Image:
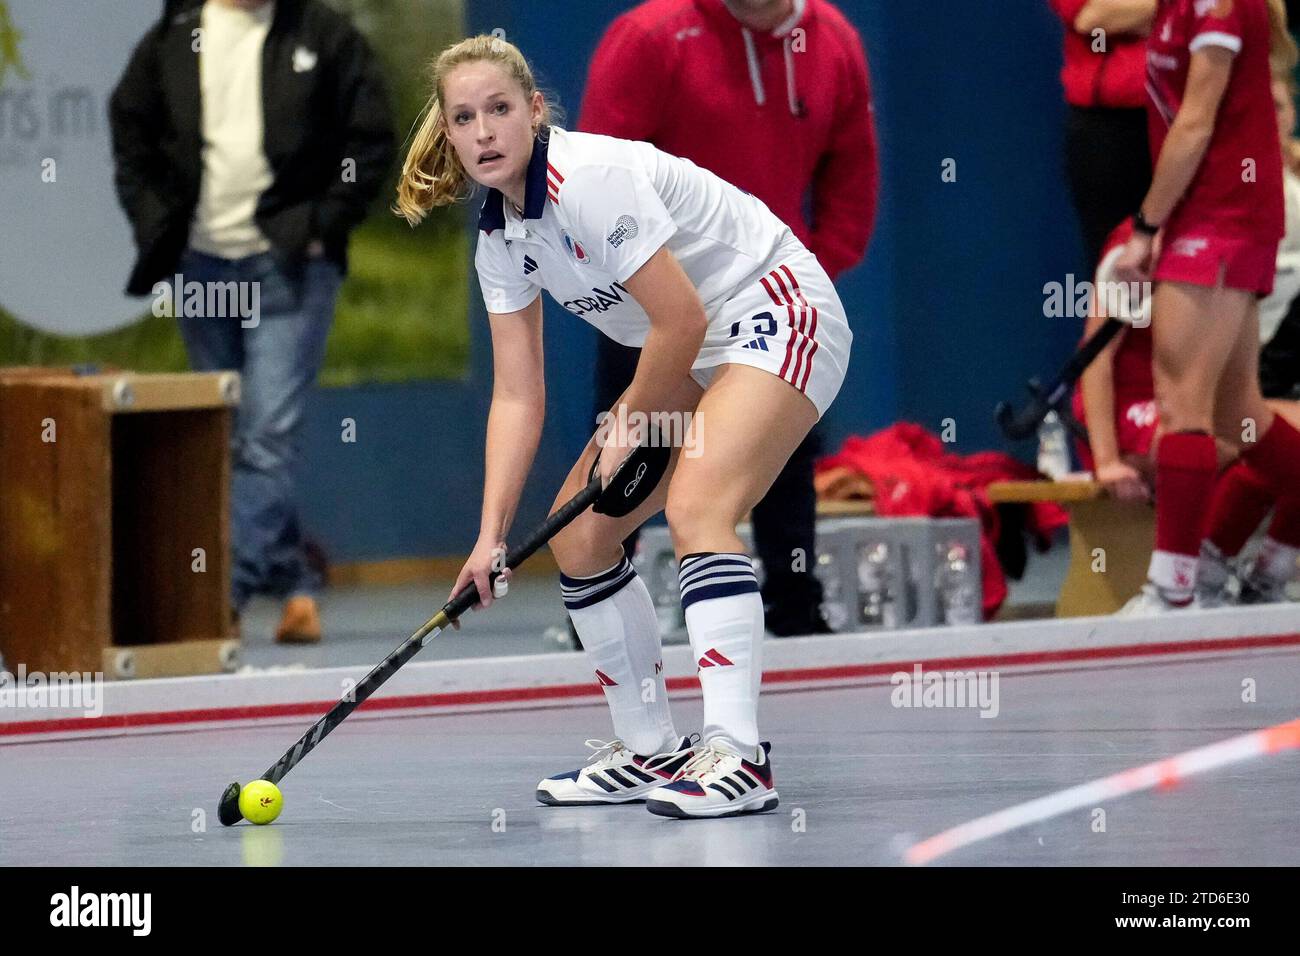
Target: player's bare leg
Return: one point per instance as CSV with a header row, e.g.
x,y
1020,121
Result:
x,y
615,618
751,423
1196,330
1243,417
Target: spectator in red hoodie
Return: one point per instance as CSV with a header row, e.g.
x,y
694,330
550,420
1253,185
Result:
x,y
1107,159
773,96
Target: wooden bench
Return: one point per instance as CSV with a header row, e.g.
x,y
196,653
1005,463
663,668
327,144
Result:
x,y
1110,542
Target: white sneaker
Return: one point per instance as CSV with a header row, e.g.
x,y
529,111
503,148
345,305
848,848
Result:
x,y
1261,589
1150,601
718,782
1213,572
613,774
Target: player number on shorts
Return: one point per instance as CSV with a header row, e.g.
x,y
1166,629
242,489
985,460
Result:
x,y
761,327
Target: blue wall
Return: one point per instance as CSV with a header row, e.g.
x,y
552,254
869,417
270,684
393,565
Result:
x,y
947,310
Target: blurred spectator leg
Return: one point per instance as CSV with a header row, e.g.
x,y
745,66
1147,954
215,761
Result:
x,y
785,528
1108,164
283,354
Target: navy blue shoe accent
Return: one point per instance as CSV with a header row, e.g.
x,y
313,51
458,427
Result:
x,y
761,772
686,786
706,576
571,775
584,592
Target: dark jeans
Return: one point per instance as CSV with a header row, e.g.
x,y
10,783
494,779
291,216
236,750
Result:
x,y
278,352
1108,164
785,520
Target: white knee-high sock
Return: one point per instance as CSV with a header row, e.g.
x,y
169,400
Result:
x,y
724,616
615,617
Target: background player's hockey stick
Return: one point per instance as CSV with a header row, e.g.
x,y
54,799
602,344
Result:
x,y
1020,425
630,484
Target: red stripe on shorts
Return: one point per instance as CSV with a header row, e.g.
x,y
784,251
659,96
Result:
x,y
803,342
812,330
789,344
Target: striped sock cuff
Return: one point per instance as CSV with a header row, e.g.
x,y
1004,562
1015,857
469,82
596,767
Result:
x,y
584,592
714,575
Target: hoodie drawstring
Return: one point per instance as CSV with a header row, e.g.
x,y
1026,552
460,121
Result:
x,y
756,75
789,78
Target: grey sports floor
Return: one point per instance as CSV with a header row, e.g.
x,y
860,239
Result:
x,y
859,781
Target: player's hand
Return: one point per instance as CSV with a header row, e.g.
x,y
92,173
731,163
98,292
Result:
x,y
1123,482
1135,261
488,555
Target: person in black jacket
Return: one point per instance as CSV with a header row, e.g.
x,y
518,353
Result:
x,y
249,138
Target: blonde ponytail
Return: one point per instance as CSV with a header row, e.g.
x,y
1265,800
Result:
x,y
1282,53
432,174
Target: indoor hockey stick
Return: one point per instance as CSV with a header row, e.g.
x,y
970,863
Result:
x,y
1020,425
630,485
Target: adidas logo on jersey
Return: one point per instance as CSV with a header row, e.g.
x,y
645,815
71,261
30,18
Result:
x,y
757,344
530,265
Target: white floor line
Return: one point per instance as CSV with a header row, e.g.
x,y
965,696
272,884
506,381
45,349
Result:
x,y
1164,772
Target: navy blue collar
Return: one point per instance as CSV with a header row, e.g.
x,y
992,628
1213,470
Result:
x,y
493,214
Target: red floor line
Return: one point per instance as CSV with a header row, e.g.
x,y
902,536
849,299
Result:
x,y
92,725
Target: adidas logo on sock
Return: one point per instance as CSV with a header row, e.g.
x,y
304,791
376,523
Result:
x,y
713,658
606,680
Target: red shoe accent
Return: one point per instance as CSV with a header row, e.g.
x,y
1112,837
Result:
x,y
605,679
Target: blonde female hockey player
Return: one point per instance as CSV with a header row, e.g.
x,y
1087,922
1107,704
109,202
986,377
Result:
x,y
742,332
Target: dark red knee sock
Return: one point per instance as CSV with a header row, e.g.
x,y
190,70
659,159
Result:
x,y
1285,526
1185,467
1240,501
1276,457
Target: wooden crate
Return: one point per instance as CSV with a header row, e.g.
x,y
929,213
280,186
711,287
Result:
x,y
110,485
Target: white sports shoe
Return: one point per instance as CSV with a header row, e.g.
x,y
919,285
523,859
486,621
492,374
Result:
x,y
1213,572
1150,601
1261,589
613,774
718,782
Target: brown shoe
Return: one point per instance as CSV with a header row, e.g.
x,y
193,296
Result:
x,y
300,623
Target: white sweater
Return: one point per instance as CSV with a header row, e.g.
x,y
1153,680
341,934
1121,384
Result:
x,y
235,170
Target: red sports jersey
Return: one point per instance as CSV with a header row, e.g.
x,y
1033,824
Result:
x,y
1237,191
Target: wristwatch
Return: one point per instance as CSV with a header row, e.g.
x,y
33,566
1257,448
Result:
x,y
1141,225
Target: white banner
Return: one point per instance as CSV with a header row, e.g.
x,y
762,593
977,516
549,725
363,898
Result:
x,y
65,245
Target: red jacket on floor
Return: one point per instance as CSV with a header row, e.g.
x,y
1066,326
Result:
x,y
776,114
